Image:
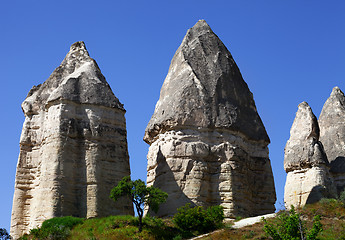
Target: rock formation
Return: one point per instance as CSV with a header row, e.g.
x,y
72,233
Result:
x,y
73,146
208,145
332,135
308,178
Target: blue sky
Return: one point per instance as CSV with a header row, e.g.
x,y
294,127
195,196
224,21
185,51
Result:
x,y
287,51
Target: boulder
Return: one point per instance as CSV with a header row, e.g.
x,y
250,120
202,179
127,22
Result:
x,y
208,145
73,147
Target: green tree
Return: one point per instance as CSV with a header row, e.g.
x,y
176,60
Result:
x,y
342,196
4,234
140,195
191,219
289,226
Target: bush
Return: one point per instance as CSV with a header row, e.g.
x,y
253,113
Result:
x,y
197,219
290,226
56,228
342,196
4,234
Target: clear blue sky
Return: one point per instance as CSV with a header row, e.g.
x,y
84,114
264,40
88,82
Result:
x,y
288,52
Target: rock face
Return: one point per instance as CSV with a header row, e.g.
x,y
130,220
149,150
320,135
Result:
x,y
73,147
308,178
332,135
208,143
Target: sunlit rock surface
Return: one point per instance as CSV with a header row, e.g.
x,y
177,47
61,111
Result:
x,y
308,178
208,145
332,135
73,147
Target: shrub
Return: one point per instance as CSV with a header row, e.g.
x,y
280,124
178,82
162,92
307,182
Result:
x,y
342,196
197,219
56,228
4,234
290,226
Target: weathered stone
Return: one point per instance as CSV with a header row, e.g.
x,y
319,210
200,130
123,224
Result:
x,y
73,147
332,135
308,178
208,143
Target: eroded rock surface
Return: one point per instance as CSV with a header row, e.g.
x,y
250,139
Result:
x,y
73,147
308,178
208,143
332,135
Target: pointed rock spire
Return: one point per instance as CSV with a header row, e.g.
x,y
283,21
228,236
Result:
x,y
208,143
78,79
303,149
73,147
308,178
204,88
332,134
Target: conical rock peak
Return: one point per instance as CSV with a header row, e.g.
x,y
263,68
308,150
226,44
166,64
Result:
x,y
332,130
303,149
77,79
205,89
308,178
73,147
208,145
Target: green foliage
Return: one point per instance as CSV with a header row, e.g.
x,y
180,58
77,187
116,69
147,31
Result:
x,y
139,194
4,235
56,228
111,227
197,219
289,226
342,196
124,227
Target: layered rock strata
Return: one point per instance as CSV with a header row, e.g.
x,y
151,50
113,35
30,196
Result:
x,y
73,147
208,145
308,178
332,135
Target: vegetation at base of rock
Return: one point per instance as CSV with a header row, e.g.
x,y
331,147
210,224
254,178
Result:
x,y
197,219
342,196
124,227
332,212
4,235
290,226
55,228
140,195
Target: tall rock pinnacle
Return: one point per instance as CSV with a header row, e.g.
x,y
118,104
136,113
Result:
x,y
208,143
204,88
73,146
308,178
332,135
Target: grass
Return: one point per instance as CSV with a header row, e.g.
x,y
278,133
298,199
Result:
x,y
332,214
124,227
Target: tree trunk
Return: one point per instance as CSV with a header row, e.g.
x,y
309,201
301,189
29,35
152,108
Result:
x,y
140,223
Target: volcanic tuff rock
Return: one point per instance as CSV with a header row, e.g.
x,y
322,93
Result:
x,y
308,178
73,146
208,143
332,135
